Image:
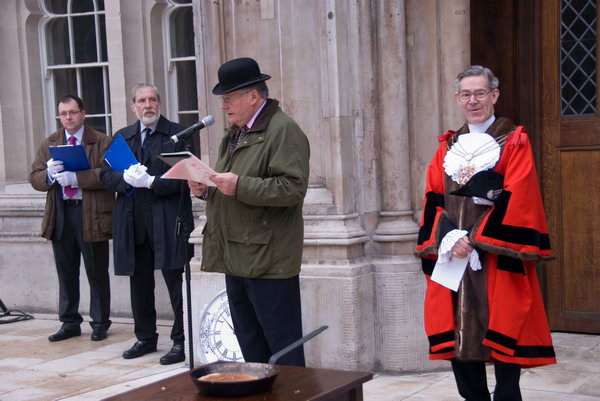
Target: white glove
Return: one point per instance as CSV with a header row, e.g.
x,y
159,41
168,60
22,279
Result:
x,y
54,167
66,179
137,177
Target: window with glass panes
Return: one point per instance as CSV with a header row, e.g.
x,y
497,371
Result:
x,y
578,40
76,60
181,62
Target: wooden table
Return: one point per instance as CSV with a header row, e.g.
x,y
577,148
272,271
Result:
x,y
292,384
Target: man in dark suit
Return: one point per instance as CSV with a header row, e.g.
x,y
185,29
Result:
x,y
77,220
145,221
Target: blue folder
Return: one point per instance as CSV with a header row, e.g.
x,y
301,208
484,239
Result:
x,y
119,155
73,157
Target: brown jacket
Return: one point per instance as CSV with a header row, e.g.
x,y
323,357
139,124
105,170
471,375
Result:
x,y
97,201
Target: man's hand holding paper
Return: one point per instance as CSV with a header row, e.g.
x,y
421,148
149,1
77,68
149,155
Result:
x,y
197,188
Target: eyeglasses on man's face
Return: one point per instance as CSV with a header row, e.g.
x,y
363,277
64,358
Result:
x,y
229,99
70,113
465,96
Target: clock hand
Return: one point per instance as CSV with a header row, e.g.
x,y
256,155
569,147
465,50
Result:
x,y
229,324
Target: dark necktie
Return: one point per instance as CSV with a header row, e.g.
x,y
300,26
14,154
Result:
x,y
235,139
146,145
69,190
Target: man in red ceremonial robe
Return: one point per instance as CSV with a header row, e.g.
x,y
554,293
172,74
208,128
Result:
x,y
483,215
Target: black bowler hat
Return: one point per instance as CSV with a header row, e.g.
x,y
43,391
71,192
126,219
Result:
x,y
238,73
485,184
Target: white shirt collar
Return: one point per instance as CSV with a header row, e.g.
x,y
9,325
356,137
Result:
x,y
78,134
152,127
251,122
483,126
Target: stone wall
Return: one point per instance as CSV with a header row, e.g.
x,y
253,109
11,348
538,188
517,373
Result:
x,y
369,81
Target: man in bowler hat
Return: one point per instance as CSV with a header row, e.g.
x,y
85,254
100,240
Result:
x,y
254,229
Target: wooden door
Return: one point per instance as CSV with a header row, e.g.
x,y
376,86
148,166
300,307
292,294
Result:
x,y
571,162
521,41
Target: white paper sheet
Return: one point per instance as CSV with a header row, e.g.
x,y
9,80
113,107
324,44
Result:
x,y
450,273
193,169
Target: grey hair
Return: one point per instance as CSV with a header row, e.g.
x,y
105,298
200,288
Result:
x,y
476,71
261,88
141,85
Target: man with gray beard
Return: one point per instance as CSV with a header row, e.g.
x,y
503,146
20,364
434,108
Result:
x,y
145,220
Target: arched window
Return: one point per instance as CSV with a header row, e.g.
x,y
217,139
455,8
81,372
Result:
x,y
73,39
182,94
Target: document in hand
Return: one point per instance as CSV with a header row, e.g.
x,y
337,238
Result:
x,y
72,156
449,273
119,155
186,166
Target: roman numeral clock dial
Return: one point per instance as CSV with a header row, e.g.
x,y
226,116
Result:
x,y
217,337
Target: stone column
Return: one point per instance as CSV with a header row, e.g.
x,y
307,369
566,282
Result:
x,y
396,231
419,41
119,99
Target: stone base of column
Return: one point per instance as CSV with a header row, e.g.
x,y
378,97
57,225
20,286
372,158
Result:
x,y
396,234
341,297
400,341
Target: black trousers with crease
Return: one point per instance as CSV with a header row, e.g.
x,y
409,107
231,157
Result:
x,y
68,250
267,317
142,287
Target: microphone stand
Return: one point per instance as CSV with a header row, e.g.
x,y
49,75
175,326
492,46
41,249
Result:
x,y
182,234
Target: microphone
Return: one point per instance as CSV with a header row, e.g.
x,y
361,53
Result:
x,y
205,122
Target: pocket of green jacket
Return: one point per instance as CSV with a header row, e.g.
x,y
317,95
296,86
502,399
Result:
x,y
247,250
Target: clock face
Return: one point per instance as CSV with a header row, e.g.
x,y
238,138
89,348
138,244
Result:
x,y
217,338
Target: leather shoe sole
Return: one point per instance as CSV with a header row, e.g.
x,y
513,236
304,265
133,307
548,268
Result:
x,y
63,334
98,334
140,348
176,354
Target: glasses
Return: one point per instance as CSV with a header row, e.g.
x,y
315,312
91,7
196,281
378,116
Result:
x,y
72,113
465,96
230,99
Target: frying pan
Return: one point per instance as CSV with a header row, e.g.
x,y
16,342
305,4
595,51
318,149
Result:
x,y
266,373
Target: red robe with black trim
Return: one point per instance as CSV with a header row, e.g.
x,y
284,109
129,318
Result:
x,y
510,237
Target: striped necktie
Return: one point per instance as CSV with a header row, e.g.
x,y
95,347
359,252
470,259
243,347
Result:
x,y
235,139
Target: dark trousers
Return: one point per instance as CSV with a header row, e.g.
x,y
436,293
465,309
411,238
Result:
x,y
266,317
472,382
142,287
68,250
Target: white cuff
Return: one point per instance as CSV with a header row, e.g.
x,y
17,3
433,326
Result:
x,y
448,242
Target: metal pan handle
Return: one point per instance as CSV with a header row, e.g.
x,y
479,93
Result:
x,y
273,359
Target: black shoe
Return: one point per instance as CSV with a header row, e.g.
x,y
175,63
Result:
x,y
64,334
176,354
140,348
99,334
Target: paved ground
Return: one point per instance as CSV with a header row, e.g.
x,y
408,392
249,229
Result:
x,y
33,369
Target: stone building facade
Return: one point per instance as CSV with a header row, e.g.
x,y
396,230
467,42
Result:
x,y
369,81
